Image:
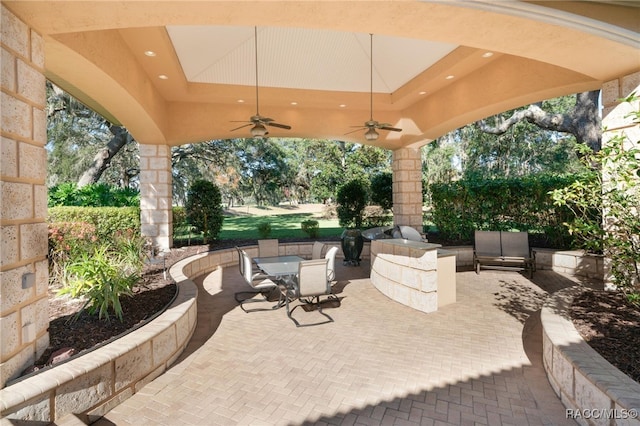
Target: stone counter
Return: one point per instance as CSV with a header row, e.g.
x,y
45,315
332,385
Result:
x,y
407,272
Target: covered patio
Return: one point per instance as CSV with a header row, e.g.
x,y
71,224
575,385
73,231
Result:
x,y
477,361
120,58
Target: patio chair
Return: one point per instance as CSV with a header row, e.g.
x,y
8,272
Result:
x,y
254,268
259,284
331,263
487,247
516,250
307,287
503,250
268,248
316,250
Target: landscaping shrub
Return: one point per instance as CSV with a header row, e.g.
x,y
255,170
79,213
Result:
x,y
102,277
179,217
352,198
204,208
618,195
131,248
93,195
374,216
96,253
264,229
311,228
523,204
382,190
67,242
106,220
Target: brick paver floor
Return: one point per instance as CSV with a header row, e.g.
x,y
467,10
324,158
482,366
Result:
x,y
380,363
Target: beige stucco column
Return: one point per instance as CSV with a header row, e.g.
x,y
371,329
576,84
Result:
x,y
407,187
24,306
614,121
156,216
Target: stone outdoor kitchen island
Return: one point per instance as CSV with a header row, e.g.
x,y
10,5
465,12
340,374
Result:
x,y
413,273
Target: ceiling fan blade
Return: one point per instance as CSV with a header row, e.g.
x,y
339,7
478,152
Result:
x,y
393,129
282,126
356,130
244,125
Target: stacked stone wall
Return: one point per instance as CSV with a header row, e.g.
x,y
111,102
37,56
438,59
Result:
x,y
156,217
407,188
24,310
616,121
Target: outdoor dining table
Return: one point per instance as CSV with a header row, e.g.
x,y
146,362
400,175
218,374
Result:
x,y
279,267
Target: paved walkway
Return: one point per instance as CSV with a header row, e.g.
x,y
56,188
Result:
x,y
477,361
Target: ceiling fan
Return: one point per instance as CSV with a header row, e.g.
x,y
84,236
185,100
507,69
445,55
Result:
x,y
257,121
372,125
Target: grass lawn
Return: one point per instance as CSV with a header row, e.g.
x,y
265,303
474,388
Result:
x,y
282,226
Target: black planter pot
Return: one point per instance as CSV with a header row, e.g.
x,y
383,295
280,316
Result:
x,y
352,243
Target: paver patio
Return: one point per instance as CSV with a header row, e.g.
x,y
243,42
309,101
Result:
x,y
380,363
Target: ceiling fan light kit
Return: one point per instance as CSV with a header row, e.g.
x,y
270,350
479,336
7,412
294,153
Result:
x,y
371,134
372,125
259,131
259,123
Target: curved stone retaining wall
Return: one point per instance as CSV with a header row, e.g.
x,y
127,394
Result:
x,y
93,383
594,391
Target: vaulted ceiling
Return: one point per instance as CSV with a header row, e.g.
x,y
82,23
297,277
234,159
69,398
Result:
x,y
175,72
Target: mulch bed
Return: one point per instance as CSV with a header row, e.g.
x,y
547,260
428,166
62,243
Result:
x,y
610,324
72,331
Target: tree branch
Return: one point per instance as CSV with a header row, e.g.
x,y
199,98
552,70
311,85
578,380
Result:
x,y
583,121
534,115
103,158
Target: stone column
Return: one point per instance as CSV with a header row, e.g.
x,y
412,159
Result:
x,y
156,217
614,121
24,303
407,188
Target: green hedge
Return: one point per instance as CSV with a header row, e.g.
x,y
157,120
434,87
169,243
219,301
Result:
x,y
179,217
107,220
93,195
522,204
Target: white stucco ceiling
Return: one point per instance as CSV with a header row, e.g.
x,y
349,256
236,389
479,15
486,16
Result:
x,y
301,58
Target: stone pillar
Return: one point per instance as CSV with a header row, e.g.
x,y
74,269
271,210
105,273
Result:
x,y
614,121
156,217
24,303
407,188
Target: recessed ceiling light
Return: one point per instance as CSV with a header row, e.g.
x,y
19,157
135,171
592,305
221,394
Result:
x,y
487,54
294,103
163,77
422,93
150,53
342,105
449,77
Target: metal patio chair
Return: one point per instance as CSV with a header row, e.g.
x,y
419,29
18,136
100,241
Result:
x,y
310,284
259,283
268,248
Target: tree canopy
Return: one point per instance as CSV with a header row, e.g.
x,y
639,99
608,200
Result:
x,y
536,139
541,138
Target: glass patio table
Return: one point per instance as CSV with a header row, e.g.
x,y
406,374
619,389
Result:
x,y
279,267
